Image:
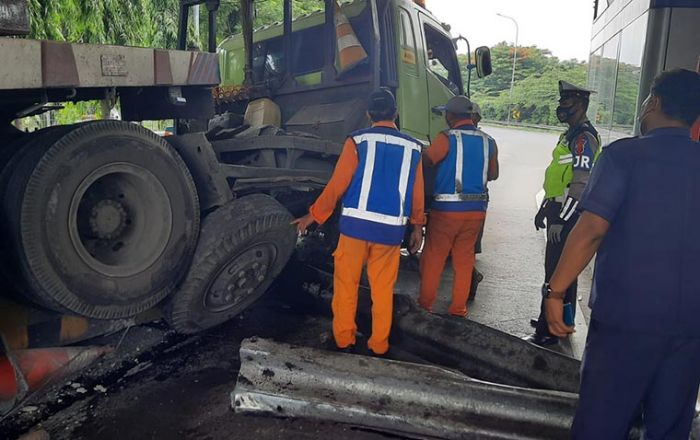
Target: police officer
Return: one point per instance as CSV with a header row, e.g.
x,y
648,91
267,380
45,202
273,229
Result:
x,y
379,178
640,213
564,182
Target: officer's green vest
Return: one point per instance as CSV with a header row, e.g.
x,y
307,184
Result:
x,y
560,171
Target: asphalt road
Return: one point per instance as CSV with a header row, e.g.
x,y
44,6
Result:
x,y
183,390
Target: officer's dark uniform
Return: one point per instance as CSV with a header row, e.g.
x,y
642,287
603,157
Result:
x,y
564,182
644,339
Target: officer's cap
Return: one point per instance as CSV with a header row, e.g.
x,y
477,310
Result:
x,y
382,101
568,90
459,105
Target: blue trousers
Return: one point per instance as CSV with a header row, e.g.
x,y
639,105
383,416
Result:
x,y
625,374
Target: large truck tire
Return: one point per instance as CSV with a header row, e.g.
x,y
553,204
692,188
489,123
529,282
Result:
x,y
11,154
243,246
103,221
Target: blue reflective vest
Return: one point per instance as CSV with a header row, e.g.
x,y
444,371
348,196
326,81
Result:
x,y
377,204
460,183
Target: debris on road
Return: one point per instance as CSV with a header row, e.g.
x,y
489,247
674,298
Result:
x,y
36,435
23,372
397,397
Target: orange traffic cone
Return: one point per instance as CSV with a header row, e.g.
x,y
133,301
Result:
x,y
350,50
24,327
25,371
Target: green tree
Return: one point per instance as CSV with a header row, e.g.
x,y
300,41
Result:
x,y
536,89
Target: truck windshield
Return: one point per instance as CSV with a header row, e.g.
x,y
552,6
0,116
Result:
x,y
442,59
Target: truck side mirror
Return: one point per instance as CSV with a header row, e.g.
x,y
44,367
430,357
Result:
x,y
483,61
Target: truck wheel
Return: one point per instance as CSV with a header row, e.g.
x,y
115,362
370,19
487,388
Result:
x,y
243,246
104,219
10,155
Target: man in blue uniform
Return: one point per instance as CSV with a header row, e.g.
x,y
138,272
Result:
x,y
640,213
564,181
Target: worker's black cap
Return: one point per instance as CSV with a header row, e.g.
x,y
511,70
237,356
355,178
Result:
x,y
460,105
382,101
568,90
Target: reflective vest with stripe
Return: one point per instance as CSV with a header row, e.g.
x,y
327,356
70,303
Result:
x,y
377,204
560,172
460,183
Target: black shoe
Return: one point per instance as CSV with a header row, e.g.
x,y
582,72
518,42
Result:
x,y
477,277
377,355
542,340
350,349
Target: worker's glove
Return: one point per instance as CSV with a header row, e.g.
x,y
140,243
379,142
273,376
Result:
x,y
554,232
568,208
540,216
548,210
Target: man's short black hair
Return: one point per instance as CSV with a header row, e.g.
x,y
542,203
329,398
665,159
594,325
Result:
x,y
382,105
384,115
679,92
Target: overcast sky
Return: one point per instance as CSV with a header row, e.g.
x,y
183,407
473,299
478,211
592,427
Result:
x,y
563,26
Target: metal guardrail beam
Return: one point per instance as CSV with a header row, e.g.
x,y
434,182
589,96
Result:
x,y
481,351
420,401
474,349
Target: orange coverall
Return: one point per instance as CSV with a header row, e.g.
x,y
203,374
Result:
x,y
352,254
450,232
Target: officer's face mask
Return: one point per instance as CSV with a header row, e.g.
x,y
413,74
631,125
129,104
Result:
x,y
566,110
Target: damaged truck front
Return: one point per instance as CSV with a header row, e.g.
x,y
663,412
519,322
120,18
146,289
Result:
x,y
105,219
291,91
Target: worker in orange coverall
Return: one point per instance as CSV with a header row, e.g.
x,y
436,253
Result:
x,y
380,180
466,159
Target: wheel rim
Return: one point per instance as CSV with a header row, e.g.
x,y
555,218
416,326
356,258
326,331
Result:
x,y
240,277
120,219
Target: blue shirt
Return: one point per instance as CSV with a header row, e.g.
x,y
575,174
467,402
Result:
x,y
647,275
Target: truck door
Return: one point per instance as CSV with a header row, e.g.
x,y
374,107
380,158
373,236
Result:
x,y
414,111
442,70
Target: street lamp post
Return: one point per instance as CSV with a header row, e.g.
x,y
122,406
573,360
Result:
x,y
515,57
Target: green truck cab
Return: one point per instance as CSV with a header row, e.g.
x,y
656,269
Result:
x,y
408,50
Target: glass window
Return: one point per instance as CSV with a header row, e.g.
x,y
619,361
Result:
x,y
408,42
268,60
442,59
629,72
305,60
604,77
594,67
